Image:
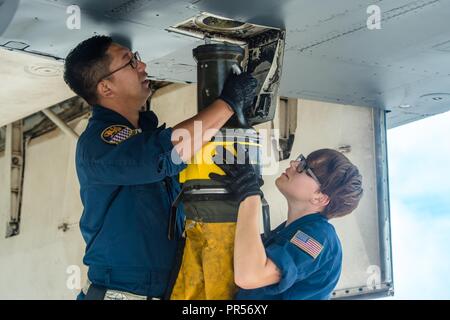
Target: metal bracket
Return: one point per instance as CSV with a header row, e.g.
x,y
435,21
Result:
x,y
61,124
14,164
287,122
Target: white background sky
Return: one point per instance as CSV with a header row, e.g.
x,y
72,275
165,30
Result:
x,y
419,181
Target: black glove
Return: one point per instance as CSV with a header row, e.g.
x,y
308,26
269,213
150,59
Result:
x,y
239,92
240,179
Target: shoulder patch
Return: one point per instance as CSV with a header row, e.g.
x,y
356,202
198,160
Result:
x,y
117,133
307,244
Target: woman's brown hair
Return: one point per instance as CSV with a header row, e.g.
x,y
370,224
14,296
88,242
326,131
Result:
x,y
340,180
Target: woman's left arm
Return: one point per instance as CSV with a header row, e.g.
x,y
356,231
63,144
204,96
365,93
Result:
x,y
252,268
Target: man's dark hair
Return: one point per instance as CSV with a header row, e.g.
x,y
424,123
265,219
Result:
x,y
85,65
340,180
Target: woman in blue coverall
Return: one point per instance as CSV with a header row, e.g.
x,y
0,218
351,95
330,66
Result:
x,y
301,258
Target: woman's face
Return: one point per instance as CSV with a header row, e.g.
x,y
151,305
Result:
x,y
296,186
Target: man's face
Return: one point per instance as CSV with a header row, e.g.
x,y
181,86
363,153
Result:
x,y
127,83
297,186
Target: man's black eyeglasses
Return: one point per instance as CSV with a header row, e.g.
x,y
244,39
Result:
x,y
303,166
134,61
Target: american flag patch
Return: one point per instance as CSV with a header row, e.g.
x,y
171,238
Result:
x,y
117,134
307,244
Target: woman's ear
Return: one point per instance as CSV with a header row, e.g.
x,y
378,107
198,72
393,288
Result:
x,y
321,199
324,199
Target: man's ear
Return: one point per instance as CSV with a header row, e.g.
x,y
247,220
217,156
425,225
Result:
x,y
104,89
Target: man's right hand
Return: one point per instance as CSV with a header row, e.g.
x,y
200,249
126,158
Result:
x,y
239,92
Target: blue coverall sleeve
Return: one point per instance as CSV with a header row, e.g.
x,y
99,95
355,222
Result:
x,y
294,264
143,158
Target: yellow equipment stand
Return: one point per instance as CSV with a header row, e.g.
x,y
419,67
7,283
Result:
x,y
206,270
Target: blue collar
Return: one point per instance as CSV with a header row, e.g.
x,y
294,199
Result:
x,y
147,119
309,218
296,224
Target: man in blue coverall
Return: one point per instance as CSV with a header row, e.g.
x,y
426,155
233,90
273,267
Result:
x,y
301,258
127,167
